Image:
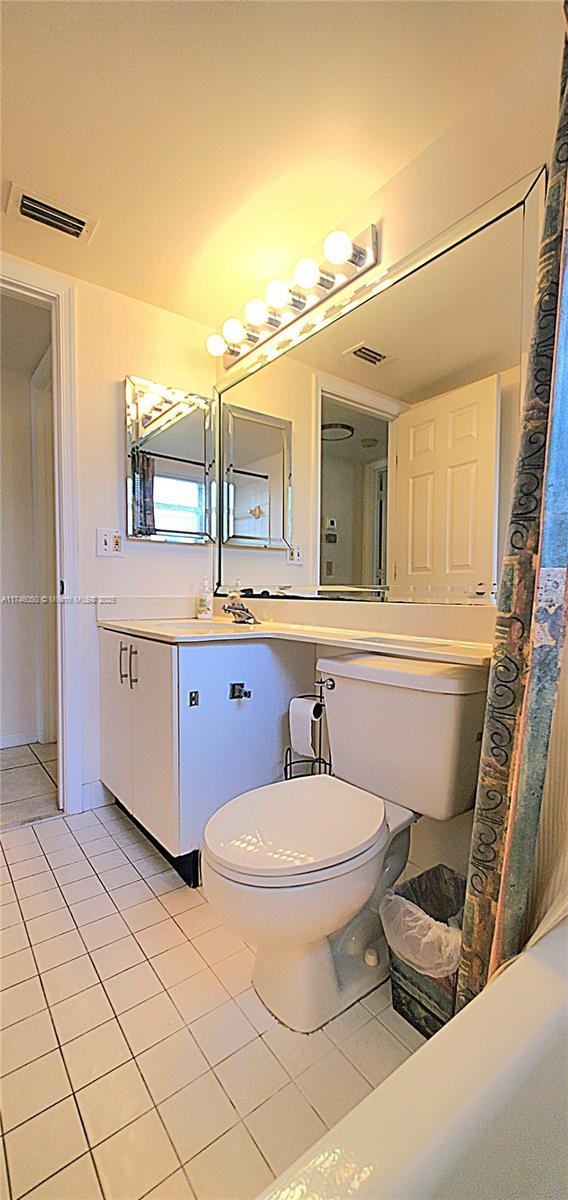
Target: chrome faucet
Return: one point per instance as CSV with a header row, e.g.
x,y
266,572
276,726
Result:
x,y
239,611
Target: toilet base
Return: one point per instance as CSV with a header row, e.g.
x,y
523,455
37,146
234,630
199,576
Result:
x,y
304,987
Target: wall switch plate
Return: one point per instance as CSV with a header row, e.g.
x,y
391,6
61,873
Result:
x,y
295,556
109,543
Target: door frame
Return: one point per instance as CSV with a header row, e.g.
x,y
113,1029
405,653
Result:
x,y
28,280
370,509
355,396
43,516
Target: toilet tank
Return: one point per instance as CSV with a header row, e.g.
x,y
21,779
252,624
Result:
x,y
406,730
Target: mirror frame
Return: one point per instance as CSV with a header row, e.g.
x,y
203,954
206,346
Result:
x,y
132,384
229,413
353,296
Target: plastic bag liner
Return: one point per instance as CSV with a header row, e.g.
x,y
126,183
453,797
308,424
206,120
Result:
x,y
429,946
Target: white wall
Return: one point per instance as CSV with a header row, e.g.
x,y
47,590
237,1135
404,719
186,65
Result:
x,y
18,717
342,499
119,336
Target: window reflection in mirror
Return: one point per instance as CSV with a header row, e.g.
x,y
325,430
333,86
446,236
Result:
x,y
170,485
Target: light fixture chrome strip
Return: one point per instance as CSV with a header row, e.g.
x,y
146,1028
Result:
x,y
289,304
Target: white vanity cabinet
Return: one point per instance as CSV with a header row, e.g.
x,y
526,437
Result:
x,y
139,731
228,746
176,744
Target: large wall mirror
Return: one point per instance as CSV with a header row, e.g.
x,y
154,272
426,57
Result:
x,y
403,415
170,483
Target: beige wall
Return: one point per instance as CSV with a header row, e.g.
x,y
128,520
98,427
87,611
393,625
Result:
x,y
507,135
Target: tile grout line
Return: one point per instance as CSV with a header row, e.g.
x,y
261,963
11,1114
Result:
x,y
78,1111
210,1068
241,1120
60,1045
133,1057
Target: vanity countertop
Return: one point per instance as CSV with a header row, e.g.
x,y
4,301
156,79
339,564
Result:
x,y
181,630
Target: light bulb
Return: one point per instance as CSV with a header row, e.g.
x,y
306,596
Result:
x,y
307,273
233,331
216,345
277,294
338,247
255,312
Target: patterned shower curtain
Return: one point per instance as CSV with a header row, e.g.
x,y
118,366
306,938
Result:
x,y
531,621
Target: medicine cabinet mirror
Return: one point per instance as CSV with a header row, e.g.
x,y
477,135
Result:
x,y
402,407
170,482
257,479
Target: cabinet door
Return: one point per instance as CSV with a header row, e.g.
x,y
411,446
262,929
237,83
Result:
x,y
116,758
153,685
231,746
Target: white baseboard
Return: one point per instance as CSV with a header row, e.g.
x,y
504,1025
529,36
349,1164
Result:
x,y
95,795
8,740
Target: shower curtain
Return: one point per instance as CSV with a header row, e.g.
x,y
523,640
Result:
x,y
531,622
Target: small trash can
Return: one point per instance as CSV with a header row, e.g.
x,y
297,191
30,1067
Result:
x,y
424,938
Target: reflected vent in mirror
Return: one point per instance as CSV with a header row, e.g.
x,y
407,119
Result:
x,y
47,212
367,354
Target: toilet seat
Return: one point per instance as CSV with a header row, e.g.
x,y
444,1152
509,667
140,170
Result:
x,y
294,833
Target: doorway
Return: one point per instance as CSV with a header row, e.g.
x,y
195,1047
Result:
x,y
353,492
28,647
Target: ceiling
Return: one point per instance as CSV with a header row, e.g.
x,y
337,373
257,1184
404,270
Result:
x,y
455,320
216,142
366,427
25,333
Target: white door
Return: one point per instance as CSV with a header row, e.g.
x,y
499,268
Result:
x,y
116,738
446,491
152,681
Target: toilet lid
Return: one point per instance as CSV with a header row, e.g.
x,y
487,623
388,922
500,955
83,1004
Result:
x,y
294,827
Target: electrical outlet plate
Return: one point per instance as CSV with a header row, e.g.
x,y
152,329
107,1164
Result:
x,y
295,557
109,543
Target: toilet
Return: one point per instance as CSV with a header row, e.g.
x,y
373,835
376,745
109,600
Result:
x,y
299,868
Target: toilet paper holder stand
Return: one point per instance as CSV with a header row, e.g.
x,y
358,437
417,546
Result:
x,y
294,768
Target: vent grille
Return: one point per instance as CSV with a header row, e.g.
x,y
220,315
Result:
x,y
369,355
46,214
45,211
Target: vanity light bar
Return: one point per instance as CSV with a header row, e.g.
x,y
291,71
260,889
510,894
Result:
x,y
290,303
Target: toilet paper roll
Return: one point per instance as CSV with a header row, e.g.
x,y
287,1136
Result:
x,y
303,712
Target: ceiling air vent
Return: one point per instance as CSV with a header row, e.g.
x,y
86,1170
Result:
x,y
45,211
374,357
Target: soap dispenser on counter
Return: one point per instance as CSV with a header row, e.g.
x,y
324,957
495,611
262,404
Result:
x,y
205,601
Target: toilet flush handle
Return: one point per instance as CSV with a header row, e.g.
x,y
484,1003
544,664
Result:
x,y
237,691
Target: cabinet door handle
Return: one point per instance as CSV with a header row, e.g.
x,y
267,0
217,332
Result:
x,y
133,654
122,674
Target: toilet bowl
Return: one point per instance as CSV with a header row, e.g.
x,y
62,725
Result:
x,y
291,865
299,868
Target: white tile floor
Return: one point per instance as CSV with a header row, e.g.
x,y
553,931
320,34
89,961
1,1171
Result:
x,y
28,784
136,1058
